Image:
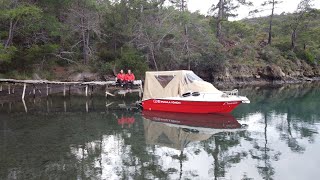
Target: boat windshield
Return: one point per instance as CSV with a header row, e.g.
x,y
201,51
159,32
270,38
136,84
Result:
x,y
191,77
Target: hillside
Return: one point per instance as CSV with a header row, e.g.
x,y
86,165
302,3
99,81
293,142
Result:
x,y
60,39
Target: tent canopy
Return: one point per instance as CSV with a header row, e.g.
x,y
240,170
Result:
x,y
161,84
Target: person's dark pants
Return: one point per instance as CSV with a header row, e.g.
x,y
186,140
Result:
x,y
120,82
129,84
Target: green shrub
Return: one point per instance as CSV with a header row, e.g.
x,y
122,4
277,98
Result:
x,y
283,45
270,54
18,75
130,58
36,53
7,54
104,67
307,56
237,51
290,55
317,56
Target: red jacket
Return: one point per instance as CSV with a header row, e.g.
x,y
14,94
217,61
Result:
x,y
121,76
129,77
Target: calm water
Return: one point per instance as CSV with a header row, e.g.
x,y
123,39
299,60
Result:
x,y
274,137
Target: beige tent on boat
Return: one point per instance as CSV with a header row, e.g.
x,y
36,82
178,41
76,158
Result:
x,y
161,84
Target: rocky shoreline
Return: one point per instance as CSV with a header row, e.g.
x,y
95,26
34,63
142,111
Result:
x,y
266,74
230,74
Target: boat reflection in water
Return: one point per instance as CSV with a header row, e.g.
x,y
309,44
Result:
x,y
177,130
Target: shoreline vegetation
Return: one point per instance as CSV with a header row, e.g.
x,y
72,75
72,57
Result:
x,y
87,40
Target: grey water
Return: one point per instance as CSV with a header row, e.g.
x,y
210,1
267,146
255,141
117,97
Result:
x,y
274,137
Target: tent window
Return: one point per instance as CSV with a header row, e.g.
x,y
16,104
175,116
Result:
x,y
190,77
164,80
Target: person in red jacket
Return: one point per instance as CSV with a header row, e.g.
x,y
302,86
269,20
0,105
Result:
x,y
121,78
129,78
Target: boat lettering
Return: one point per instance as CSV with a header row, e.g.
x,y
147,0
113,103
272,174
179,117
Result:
x,y
228,103
165,102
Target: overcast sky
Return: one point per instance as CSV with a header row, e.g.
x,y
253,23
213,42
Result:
x,y
286,6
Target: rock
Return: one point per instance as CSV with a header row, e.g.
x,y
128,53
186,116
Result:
x,y
316,71
240,73
223,75
90,76
307,70
85,76
109,77
308,73
271,72
298,62
75,77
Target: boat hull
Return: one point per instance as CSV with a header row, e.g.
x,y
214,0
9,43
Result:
x,y
189,106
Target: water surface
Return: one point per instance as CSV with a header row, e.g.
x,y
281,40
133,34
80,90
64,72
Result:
x,y
274,137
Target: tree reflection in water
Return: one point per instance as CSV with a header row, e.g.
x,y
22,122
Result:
x,y
181,131
71,138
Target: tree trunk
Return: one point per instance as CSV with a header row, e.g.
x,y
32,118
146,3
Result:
x,y
153,57
88,51
187,53
13,24
114,43
293,39
125,12
270,23
84,48
219,20
185,28
84,40
10,34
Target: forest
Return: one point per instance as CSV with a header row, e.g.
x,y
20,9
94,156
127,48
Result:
x,y
55,39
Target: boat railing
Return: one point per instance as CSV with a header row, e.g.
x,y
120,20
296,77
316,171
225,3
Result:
x,y
234,92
